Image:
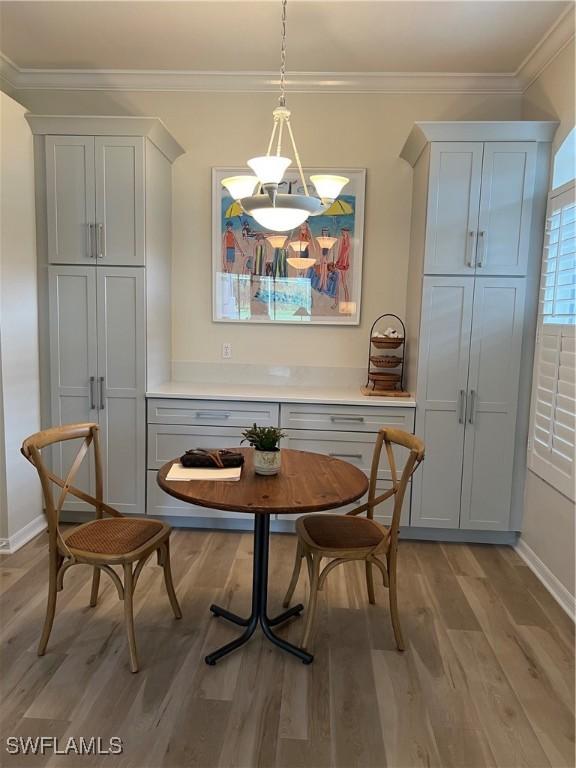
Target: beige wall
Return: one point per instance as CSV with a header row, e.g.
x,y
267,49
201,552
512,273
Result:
x,y
350,130
549,528
552,94
19,379
549,516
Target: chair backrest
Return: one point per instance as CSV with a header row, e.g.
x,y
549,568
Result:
x,y
31,450
387,438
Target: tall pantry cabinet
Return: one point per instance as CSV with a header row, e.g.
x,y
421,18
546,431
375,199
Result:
x,y
479,194
104,238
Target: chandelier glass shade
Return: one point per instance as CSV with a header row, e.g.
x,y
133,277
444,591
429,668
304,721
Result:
x,y
269,169
240,186
300,262
277,241
259,196
326,242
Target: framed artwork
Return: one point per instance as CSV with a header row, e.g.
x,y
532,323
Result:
x,y
253,279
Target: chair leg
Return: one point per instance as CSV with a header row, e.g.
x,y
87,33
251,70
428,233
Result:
x,y
165,562
129,615
95,587
370,582
295,574
55,562
394,603
313,601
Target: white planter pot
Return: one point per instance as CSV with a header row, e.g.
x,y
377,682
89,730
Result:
x,y
267,462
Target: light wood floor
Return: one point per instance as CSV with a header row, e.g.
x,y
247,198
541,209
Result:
x,y
487,679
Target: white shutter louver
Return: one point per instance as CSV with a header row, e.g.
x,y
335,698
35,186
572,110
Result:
x,y
552,443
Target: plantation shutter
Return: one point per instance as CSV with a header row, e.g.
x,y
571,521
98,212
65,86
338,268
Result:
x,y
552,429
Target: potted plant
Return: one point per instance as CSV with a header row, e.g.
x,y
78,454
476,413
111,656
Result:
x,y
264,440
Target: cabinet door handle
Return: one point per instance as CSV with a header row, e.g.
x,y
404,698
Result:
x,y
99,240
346,419
481,249
90,238
101,380
472,406
346,455
461,406
470,248
92,399
212,415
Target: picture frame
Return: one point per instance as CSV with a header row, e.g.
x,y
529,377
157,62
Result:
x,y
254,282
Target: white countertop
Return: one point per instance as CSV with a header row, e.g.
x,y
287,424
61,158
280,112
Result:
x,y
343,395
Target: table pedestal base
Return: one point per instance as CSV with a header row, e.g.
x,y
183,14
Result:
x,y
258,614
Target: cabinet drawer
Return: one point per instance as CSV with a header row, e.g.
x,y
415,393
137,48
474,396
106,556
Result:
x,y
212,412
167,442
353,447
358,418
161,504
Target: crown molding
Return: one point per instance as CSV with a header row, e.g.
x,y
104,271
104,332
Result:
x,y
555,39
254,82
473,130
560,34
104,125
8,74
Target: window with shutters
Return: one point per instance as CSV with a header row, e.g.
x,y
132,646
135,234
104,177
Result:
x,y
551,445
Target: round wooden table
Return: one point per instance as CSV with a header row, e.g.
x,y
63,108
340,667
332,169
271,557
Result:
x,y
307,482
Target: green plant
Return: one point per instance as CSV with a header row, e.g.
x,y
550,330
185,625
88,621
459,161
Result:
x,y
263,438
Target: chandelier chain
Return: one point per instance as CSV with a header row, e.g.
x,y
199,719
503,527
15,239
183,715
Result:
x,y
282,98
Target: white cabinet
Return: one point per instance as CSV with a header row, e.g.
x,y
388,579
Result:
x,y
477,225
346,432
73,363
468,378
493,381
121,322
441,396
506,203
98,372
70,199
453,200
119,166
104,256
480,200
95,200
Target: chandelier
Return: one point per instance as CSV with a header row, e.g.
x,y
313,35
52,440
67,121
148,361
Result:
x,y
258,194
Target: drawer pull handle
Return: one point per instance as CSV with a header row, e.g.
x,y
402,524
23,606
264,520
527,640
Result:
x,y
337,419
212,415
92,399
345,455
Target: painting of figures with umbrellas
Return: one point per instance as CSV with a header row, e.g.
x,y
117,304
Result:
x,y
309,275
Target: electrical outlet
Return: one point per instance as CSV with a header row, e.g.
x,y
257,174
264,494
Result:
x,y
226,350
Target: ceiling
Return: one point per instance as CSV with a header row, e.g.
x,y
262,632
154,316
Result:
x,y
464,36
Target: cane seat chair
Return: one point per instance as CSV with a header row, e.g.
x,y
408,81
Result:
x,y
104,542
343,538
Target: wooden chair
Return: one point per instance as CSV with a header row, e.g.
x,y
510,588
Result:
x,y
342,538
101,543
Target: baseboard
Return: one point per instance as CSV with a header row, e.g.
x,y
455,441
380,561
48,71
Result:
x,y
558,591
23,536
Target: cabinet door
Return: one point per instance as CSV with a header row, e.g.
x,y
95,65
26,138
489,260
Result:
x,y
493,392
120,200
453,201
506,208
442,384
70,199
122,384
72,318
